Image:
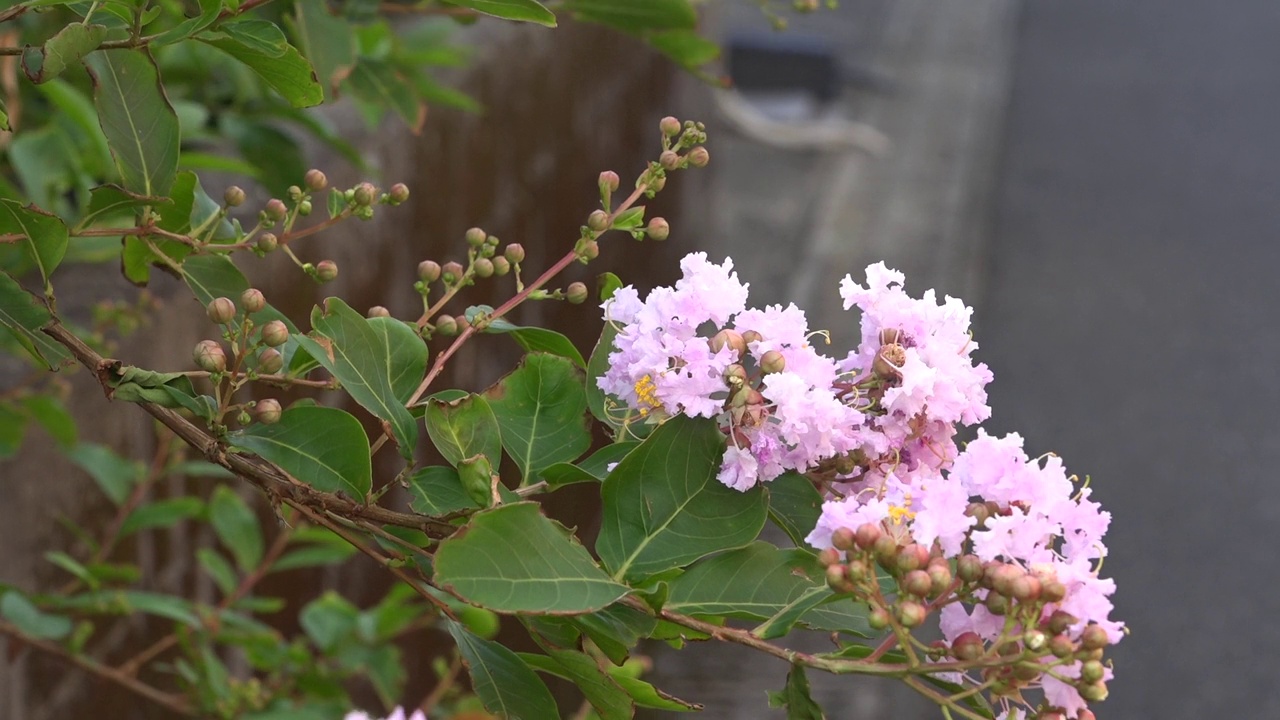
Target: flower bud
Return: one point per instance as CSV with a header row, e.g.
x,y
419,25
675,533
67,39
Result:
x,y
270,361
866,535
378,311
598,221
576,293
1051,715
1052,591
1094,692
1060,620
221,310
446,326
304,208
514,253
452,272
483,267
838,578
315,179
940,578
735,375
911,614
275,333
669,160
429,271
462,322
1092,671
233,196
842,539
967,646
969,568
364,195
728,338
858,570
886,550
609,181
773,362
878,619
658,229
1094,638
326,270
398,193
268,242
590,250
1027,671
1034,640
979,512
912,557
1026,588
276,209
829,556
476,475
656,184
917,582
1061,646
751,336
889,361
209,356
475,237
268,411
699,157
363,212
252,300
501,266
996,603
669,126
1004,577
295,193
1085,715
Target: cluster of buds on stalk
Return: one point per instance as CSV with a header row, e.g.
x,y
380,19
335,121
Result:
x,y
484,260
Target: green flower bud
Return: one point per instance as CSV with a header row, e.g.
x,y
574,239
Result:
x,y
514,253
576,293
315,180
590,250
912,557
772,362
276,209
446,326
911,614
829,556
656,184
1061,646
268,242
878,618
969,568
669,126
475,237
221,310
429,271
669,160
275,333
699,157
363,212
326,270
1092,671
609,181
859,570
658,229
364,194
967,646
399,193
483,267
501,266
304,208
1093,692
378,311
1052,591
270,361
838,578
268,411
598,221
940,577
295,193
252,300
886,551
209,356
233,196
452,272
1094,638
997,604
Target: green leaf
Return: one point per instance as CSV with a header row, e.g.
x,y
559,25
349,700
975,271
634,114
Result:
x,y
140,124
593,469
328,620
164,513
523,10
209,10
379,83
77,107
114,474
72,566
13,426
365,360
688,513
631,219
408,354
535,339
609,284
107,201
269,55
513,559
313,556
616,629
686,47
646,695
61,51
4,117
437,490
29,619
200,469
224,576
464,428
23,314
53,417
328,42
325,448
795,697
636,16
237,527
605,695
541,408
794,505
132,384
504,683
45,238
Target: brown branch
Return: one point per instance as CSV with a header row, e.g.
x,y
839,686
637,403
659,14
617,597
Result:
x,y
171,702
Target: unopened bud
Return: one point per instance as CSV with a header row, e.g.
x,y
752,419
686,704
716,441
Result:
x,y
590,250
270,361
295,193
1060,620
670,126
315,179
669,160
917,582
1094,638
221,310
304,208
1061,646
829,556
1052,591
842,539
447,326
378,311
1034,640
1085,715
911,614
773,362
886,550
751,336
209,356
969,568
576,293
275,333
838,577
514,253
326,270
475,237
979,512
656,184
658,229
365,193
233,196
428,271
452,272
398,193
1094,692
483,267
1026,588
268,411
252,300
699,157
276,209
501,266
609,181
889,361
940,577
878,619
731,339
997,604
866,535
1052,715
1004,577
858,570
967,646
912,557
598,221
268,242
1092,671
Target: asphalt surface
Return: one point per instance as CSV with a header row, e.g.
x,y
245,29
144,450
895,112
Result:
x,y
1130,316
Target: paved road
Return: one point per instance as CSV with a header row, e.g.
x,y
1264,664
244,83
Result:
x,y
1131,316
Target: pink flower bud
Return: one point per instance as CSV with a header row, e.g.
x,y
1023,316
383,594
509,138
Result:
x,y
501,266
878,618
268,242
429,271
326,270
398,193
209,356
1061,646
576,293
911,614
221,310
838,578
475,237
940,579
773,362
315,180
728,338
917,582
590,250
233,196
270,361
830,556
462,322
276,209
364,195
446,326
483,267
699,157
514,253
609,181
751,336
842,539
669,160
658,229
598,221
912,557
268,411
886,551
669,126
867,535
378,311
1052,591
969,568
252,300
1026,588
452,272
1094,638
275,333
967,646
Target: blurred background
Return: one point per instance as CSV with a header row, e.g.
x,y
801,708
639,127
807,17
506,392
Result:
x,y
1098,179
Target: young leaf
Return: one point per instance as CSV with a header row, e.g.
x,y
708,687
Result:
x,y
513,559
464,428
274,60
687,512
45,235
524,10
367,362
237,527
140,124
504,683
541,408
437,490
323,447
